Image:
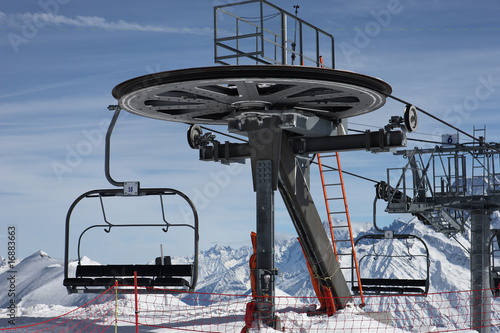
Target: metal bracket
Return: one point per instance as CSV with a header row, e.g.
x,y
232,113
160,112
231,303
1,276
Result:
x,y
308,125
129,188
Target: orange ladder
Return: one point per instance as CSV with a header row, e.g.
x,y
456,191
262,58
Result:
x,y
332,194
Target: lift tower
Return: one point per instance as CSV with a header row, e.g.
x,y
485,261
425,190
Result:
x,y
287,113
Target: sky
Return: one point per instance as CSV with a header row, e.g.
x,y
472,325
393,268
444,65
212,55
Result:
x,y
62,58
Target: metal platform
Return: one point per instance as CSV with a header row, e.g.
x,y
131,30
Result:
x,y
216,95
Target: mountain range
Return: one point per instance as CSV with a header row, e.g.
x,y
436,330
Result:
x,y
224,270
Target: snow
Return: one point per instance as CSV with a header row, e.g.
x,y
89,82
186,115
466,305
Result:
x,y
38,280
224,270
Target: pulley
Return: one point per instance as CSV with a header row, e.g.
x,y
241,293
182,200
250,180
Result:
x,y
411,118
193,134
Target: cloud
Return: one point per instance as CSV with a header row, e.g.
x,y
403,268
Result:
x,y
61,84
47,20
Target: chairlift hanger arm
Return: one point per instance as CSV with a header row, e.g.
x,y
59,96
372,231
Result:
x,y
108,146
375,212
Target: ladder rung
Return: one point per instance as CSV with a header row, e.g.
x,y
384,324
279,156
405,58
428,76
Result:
x,y
339,198
340,226
331,213
342,240
336,184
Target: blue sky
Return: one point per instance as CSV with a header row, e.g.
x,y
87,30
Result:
x,y
62,58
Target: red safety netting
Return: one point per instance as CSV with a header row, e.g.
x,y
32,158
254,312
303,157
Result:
x,y
95,316
205,312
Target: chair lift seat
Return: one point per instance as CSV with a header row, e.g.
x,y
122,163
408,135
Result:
x,y
78,282
401,286
148,275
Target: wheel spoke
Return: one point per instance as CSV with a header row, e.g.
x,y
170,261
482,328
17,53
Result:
x,y
334,97
287,89
248,91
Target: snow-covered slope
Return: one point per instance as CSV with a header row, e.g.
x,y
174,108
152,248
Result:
x,y
225,270
38,280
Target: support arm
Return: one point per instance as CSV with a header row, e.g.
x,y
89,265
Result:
x,y
305,217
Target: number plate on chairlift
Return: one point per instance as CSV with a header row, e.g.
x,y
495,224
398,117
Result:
x,y
131,188
449,139
388,234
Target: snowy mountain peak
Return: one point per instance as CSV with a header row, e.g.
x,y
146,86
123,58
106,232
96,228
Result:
x,y
219,249
40,254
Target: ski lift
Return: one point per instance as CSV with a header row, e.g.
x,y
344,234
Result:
x,y
416,283
384,285
161,274
495,262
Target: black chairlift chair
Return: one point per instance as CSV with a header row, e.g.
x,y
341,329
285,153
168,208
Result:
x,y
386,286
162,274
495,262
391,286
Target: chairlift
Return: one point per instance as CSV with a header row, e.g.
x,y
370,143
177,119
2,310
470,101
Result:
x,y
161,274
391,286
385,286
494,267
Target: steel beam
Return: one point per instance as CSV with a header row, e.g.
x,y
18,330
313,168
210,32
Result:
x,y
264,147
305,217
265,271
479,270
372,141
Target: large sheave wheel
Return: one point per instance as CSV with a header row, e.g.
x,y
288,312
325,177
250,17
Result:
x,y
215,95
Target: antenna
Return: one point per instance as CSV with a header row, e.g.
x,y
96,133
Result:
x,y
294,44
